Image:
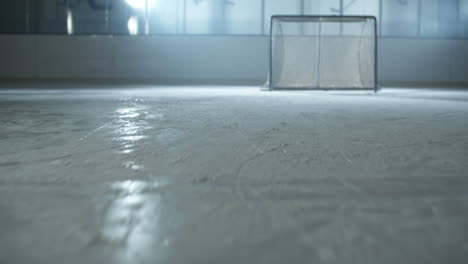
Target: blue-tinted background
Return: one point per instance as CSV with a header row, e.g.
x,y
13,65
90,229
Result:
x,y
400,18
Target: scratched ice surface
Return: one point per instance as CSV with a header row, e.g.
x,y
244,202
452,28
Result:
x,y
233,175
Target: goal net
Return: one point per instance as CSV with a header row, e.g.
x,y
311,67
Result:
x,y
323,52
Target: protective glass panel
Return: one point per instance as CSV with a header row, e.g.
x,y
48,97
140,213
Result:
x,y
13,18
400,17
463,23
448,18
52,17
430,18
243,16
126,18
90,17
322,7
204,16
164,17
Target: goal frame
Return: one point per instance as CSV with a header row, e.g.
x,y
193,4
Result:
x,y
328,18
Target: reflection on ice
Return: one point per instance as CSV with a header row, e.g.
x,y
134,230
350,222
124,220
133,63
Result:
x,y
133,187
127,139
132,165
130,129
125,151
132,219
128,112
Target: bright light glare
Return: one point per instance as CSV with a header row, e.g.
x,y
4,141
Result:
x,y
142,4
70,30
137,4
132,25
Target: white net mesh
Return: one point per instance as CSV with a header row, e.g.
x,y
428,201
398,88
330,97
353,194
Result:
x,y
323,53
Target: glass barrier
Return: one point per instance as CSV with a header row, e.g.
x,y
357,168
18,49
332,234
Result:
x,y
397,18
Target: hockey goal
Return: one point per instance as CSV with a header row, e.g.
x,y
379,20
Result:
x,y
323,52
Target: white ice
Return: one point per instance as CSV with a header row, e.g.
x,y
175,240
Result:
x,y
233,175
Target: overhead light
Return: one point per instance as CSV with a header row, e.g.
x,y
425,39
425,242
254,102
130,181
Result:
x,y
70,30
137,4
132,25
142,4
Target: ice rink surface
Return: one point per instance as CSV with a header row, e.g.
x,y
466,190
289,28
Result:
x,y
233,175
